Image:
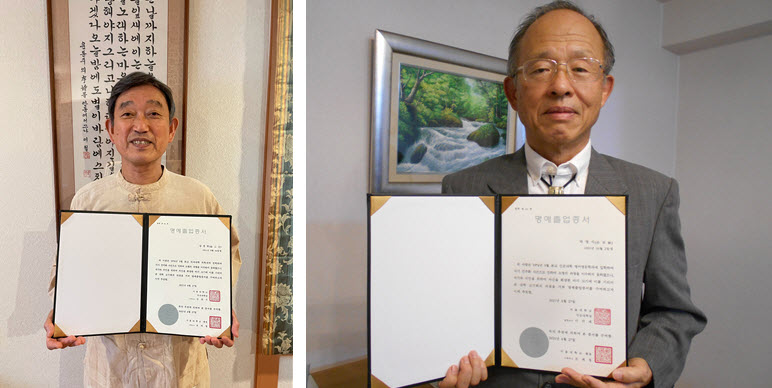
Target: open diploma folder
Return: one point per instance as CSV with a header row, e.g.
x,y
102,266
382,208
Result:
x,y
123,273
535,282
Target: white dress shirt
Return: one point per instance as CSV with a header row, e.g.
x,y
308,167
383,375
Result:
x,y
538,166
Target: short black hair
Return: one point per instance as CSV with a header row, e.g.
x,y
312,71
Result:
x,y
608,48
133,80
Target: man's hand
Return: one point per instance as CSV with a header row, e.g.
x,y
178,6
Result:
x,y
469,372
636,374
59,343
219,342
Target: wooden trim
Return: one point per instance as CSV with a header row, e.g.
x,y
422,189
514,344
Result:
x,y
184,126
352,374
348,374
176,69
61,102
266,197
267,371
51,81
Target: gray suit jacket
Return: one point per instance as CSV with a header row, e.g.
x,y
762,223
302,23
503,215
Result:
x,y
662,320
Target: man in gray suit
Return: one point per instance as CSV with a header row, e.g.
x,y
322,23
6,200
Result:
x,y
559,65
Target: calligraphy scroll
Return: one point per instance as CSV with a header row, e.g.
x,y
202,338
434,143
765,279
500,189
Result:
x,y
93,44
108,39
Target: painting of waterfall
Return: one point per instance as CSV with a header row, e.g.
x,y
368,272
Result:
x,y
447,122
436,109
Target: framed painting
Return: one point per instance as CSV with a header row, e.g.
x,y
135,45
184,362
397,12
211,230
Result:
x,y
91,46
436,110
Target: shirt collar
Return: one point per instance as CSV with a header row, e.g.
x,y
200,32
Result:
x,y
577,165
145,189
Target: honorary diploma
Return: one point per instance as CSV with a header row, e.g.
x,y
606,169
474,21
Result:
x,y
534,282
563,283
154,273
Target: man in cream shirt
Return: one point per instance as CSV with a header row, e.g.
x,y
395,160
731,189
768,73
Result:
x,y
141,125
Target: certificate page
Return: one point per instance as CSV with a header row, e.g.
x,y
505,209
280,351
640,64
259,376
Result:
x,y
563,283
431,285
99,273
189,275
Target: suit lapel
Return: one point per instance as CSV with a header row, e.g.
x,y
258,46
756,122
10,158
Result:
x,y
513,177
602,178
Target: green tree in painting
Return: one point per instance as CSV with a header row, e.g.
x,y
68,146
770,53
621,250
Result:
x,y
495,102
434,99
408,109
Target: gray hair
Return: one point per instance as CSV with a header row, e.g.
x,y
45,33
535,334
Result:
x,y
514,46
135,79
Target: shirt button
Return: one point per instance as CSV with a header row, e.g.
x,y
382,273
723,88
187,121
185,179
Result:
x,y
141,346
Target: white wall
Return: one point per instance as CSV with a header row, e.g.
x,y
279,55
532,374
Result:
x,y
638,124
691,25
227,79
723,165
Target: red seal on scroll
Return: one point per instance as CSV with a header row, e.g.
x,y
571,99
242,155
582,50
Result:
x,y
216,323
603,355
214,295
603,316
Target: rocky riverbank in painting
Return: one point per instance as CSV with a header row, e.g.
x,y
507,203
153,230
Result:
x,y
439,150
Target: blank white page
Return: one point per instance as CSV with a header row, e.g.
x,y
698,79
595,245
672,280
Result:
x,y
431,286
99,274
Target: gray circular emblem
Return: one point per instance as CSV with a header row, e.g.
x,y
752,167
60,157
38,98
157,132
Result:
x,y
534,342
168,314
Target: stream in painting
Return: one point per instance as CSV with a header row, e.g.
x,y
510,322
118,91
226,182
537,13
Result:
x,y
448,150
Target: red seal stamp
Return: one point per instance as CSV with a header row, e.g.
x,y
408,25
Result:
x,y
602,316
215,322
603,355
214,295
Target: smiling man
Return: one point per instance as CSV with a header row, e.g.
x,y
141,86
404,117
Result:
x,y
141,125
558,80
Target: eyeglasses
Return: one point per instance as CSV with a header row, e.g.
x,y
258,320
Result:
x,y
577,69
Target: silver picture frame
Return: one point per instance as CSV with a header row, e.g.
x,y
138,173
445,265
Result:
x,y
387,45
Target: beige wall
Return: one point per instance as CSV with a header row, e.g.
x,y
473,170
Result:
x,y
27,223
227,79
